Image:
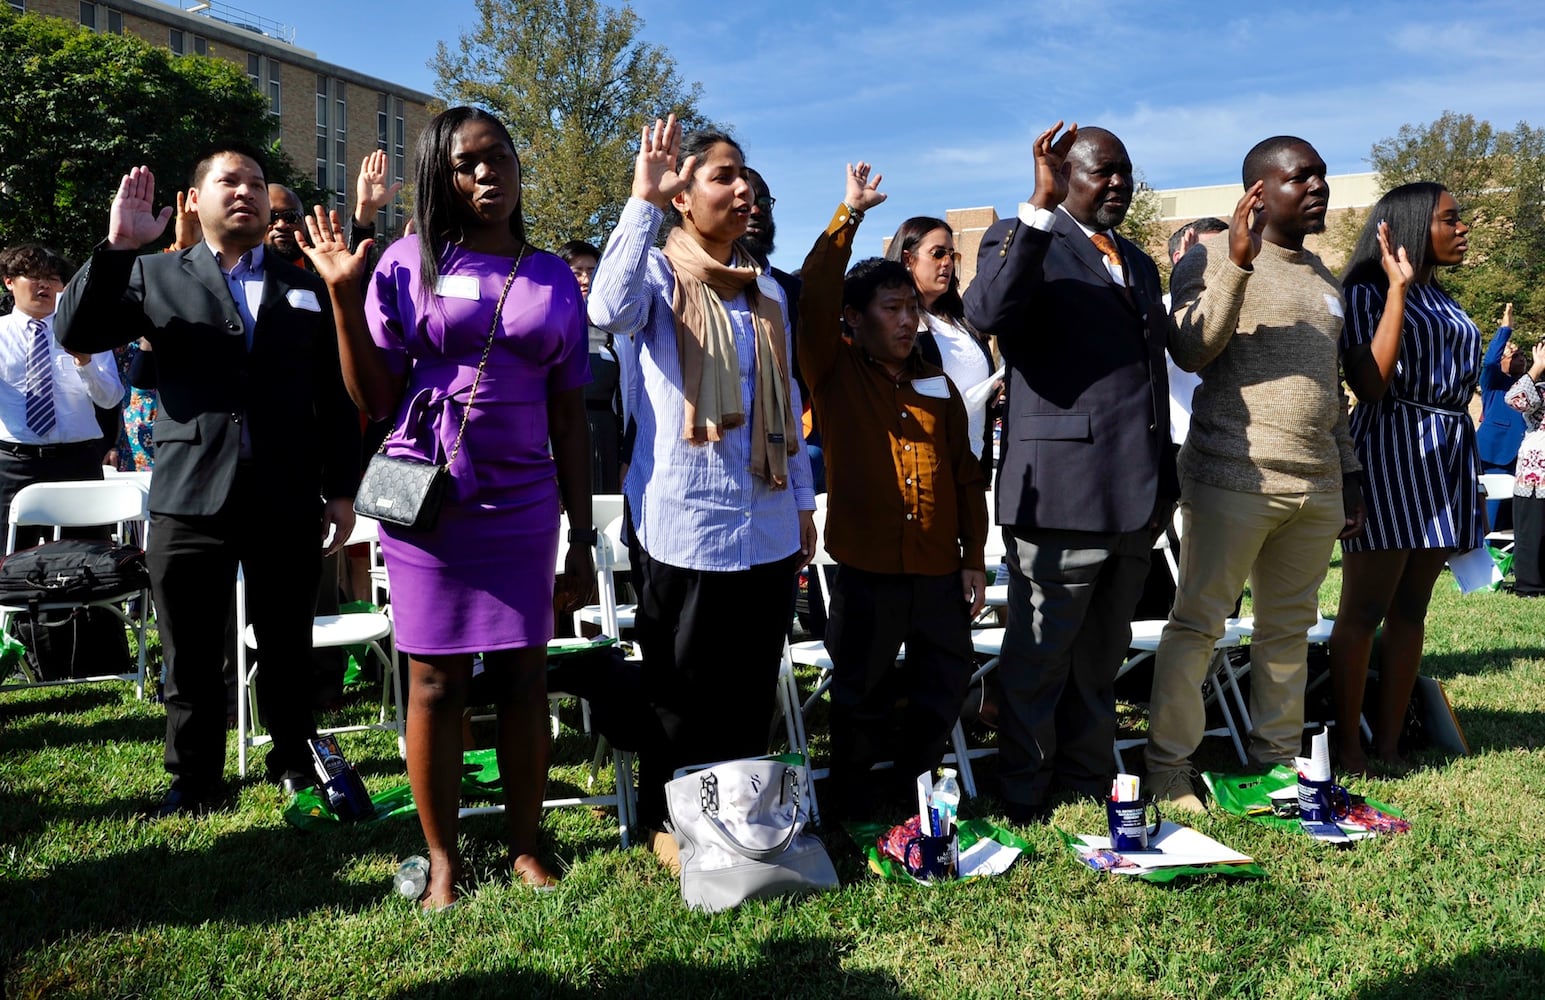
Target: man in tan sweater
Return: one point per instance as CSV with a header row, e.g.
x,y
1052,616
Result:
x,y
1268,473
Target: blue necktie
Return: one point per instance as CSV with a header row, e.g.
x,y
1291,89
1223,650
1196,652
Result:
x,y
40,380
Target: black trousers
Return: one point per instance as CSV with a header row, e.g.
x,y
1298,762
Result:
x,y
1528,545
192,563
872,615
68,463
712,645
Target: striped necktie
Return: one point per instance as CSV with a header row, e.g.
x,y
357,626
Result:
x,y
39,395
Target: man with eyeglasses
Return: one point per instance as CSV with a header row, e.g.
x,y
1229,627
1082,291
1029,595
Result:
x,y
257,450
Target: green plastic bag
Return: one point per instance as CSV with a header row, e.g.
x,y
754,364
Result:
x,y
971,831
1249,795
308,808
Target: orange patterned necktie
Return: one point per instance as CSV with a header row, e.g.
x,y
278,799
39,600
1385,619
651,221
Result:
x,y
1106,246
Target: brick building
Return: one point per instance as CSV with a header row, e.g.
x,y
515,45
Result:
x,y
323,113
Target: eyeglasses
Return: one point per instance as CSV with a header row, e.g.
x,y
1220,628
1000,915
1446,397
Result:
x,y
939,253
765,204
290,215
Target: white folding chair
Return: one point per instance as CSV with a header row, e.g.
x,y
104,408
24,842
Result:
x,y
86,504
623,797
327,632
609,616
1499,486
367,532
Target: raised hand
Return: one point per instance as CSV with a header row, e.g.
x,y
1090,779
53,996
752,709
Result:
x,y
1051,169
1397,266
1189,239
371,190
862,194
1537,369
327,247
656,176
187,231
1244,235
1507,315
133,221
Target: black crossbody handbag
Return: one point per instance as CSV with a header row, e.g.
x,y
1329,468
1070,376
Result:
x,y
408,492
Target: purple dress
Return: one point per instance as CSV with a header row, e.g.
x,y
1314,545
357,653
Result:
x,y
482,578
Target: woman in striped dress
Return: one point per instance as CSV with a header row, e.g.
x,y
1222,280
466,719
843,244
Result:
x,y
1413,357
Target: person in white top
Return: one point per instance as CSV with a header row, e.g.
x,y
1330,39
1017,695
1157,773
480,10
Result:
x,y
926,245
48,395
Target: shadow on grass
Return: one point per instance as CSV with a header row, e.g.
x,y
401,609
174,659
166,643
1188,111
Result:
x,y
21,703
787,967
1490,730
197,874
1501,659
1496,972
41,733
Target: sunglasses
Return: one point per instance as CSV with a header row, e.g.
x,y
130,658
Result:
x,y
290,215
939,253
766,204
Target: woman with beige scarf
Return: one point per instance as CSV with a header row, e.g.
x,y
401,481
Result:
x,y
719,492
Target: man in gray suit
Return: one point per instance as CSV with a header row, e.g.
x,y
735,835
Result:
x,y
1086,474
254,432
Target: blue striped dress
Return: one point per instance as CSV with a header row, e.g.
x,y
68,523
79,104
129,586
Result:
x,y
1417,443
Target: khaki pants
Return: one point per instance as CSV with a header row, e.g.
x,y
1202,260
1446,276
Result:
x,y
1282,542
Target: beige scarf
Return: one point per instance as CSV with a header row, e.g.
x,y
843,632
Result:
x,y
710,364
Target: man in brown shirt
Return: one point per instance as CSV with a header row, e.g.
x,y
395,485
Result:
x,y
906,513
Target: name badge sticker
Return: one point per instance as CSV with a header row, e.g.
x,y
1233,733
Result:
x,y
457,286
936,387
1333,303
303,298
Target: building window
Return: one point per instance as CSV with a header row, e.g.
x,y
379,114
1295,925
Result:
x,y
19,6
399,146
88,15
323,157
383,113
273,87
200,45
174,40
255,72
114,21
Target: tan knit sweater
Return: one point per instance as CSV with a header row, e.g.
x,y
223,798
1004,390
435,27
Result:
x,y
1270,415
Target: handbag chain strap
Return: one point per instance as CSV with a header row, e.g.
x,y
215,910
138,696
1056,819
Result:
x,y
483,361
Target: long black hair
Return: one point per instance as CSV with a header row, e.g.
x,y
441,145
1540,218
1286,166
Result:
x,y
435,211
908,235
696,144
1408,210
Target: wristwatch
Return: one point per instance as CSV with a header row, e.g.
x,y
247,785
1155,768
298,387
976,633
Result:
x,y
585,535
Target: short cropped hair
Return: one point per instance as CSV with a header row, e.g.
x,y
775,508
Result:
x,y
1264,152
577,248
868,276
208,156
1203,227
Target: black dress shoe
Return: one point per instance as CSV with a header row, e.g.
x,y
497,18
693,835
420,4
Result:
x,y
179,802
1025,813
293,783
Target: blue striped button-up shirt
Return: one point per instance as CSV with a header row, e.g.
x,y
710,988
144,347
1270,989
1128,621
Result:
x,y
694,506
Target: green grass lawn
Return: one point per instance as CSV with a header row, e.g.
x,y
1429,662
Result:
x,y
97,902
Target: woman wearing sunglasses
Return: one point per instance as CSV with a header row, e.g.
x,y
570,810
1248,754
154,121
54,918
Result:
x,y
926,246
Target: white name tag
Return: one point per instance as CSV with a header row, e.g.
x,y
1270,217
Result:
x,y
1333,303
303,298
457,286
937,387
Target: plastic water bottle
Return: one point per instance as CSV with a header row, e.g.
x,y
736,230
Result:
x,y
412,877
945,800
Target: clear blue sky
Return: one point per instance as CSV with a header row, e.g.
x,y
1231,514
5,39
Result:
x,y
944,98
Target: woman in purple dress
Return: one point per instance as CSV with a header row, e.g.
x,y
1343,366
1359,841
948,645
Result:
x,y
481,580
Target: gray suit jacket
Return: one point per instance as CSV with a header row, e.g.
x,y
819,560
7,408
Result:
x,y
304,429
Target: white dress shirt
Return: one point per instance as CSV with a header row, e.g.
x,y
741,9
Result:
x,y
77,388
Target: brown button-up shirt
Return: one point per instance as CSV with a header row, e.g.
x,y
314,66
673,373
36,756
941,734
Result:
x,y
905,492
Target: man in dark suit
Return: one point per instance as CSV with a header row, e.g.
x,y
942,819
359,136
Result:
x,y
1086,474
254,430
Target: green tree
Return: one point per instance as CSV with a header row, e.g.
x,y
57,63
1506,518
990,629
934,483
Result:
x,y
575,85
81,108
1144,225
1498,177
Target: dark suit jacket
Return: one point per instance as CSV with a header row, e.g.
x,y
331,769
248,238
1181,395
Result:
x,y
303,427
1502,427
1085,443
